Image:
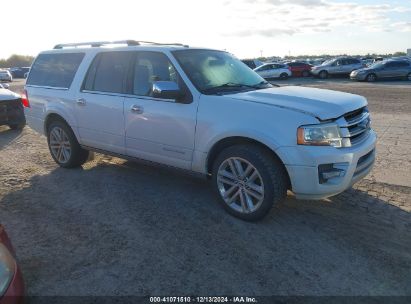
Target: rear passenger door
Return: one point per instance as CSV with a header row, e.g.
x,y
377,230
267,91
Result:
x,y
159,130
99,104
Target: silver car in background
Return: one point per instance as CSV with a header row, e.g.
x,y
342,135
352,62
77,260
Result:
x,y
387,69
337,66
5,75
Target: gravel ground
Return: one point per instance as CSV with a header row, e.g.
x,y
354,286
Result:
x,y
119,228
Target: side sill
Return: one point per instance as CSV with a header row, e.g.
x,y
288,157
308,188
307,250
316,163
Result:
x,y
146,162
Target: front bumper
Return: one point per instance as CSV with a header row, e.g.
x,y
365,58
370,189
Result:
x,y
358,76
302,166
315,72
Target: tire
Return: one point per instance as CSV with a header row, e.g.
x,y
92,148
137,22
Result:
x,y
248,196
64,147
19,126
305,74
283,76
323,74
371,77
409,77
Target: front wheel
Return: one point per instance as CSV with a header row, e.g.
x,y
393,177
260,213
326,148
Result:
x,y
409,77
248,180
305,74
323,74
63,146
371,77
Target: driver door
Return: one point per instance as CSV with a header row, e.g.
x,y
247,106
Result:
x,y
156,129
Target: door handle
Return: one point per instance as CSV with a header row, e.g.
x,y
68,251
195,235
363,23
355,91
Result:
x,y
81,102
136,109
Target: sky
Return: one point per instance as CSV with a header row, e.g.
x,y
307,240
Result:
x,y
245,28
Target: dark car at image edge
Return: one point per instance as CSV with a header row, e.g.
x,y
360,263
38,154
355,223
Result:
x,y
11,280
11,109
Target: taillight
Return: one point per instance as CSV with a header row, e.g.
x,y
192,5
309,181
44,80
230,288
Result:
x,y
25,99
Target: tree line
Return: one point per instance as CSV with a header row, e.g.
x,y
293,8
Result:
x,y
16,61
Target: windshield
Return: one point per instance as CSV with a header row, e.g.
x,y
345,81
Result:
x,y
377,65
328,61
217,71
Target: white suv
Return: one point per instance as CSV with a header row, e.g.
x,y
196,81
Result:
x,y
201,110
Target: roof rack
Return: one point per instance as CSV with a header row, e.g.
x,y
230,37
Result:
x,y
102,43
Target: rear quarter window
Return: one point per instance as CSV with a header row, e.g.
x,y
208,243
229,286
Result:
x,y
55,70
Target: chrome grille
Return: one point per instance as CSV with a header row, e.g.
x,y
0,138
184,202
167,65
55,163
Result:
x,y
355,126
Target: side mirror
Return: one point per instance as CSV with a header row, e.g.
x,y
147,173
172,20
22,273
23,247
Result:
x,y
167,90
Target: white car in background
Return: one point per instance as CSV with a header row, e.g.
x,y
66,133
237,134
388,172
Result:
x,y
5,75
273,70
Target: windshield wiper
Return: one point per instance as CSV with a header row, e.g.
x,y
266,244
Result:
x,y
235,85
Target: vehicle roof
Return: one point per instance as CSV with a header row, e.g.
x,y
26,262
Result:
x,y
148,47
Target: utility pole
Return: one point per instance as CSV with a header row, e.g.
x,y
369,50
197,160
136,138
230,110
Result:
x,y
261,53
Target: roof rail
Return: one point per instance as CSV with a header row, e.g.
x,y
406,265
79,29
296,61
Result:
x,y
159,43
102,43
96,43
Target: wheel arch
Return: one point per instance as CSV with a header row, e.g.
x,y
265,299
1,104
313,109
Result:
x,y
54,116
236,140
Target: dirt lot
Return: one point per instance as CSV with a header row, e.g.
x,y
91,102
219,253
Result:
x,y
120,228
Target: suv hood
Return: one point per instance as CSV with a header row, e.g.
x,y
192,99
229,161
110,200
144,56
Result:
x,y
320,103
7,95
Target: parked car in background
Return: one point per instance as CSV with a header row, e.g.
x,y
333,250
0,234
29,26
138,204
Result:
x,y
377,59
337,66
5,75
252,63
11,109
18,72
367,61
387,69
11,280
299,69
273,70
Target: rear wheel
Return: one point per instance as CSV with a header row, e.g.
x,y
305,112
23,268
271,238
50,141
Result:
x,y
323,74
248,180
283,76
371,77
63,146
17,126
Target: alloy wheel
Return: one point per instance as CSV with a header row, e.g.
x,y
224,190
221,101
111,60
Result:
x,y
240,185
371,78
60,145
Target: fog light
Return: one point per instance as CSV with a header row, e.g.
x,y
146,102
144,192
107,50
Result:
x,y
327,171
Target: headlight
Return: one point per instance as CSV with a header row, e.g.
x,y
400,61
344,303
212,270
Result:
x,y
320,135
7,269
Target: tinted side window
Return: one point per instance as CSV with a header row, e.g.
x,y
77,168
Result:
x,y
55,70
108,72
151,67
404,64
